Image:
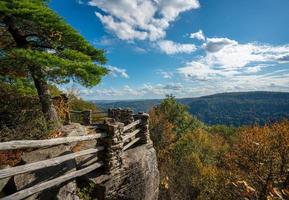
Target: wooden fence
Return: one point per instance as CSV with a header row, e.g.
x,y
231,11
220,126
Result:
x,y
114,138
86,117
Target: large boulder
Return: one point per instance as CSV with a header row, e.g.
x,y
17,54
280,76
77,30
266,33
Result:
x,y
138,179
142,182
73,129
64,191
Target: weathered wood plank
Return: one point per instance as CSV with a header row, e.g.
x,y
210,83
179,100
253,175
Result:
x,y
51,183
129,135
97,112
130,144
4,173
93,112
131,125
20,144
75,111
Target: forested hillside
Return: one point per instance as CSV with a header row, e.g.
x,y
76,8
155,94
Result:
x,y
197,161
240,108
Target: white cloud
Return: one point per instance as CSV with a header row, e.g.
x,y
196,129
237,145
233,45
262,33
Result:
x,y
284,58
230,66
170,47
254,82
230,55
139,49
196,88
125,92
115,72
105,41
197,70
141,19
198,35
160,89
254,69
216,44
166,75
269,82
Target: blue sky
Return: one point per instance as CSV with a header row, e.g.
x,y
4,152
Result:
x,y
186,48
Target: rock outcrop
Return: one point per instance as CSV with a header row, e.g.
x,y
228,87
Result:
x,y
64,191
138,179
141,168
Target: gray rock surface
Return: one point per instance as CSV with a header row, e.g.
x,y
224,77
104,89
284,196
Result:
x,y
64,191
73,129
137,180
143,181
4,181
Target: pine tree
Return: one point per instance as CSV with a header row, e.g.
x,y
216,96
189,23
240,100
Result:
x,y
37,44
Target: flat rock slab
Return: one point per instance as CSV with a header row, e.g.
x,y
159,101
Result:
x,y
64,191
4,181
73,129
137,179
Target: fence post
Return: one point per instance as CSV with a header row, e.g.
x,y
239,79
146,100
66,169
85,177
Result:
x,y
86,117
121,115
113,144
144,127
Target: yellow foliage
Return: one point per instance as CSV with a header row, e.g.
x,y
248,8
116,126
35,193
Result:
x,y
261,156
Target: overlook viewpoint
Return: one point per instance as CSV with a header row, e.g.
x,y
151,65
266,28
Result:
x,y
144,99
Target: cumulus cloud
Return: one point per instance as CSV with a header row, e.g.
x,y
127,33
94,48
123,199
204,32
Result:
x,y
254,69
216,44
225,58
141,19
160,89
170,47
229,54
198,35
284,58
117,72
255,82
197,70
105,41
278,82
151,90
166,75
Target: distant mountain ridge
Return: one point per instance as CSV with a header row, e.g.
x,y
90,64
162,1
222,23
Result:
x,y
237,108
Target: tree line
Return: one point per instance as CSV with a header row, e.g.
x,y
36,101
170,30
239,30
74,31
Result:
x,y
197,161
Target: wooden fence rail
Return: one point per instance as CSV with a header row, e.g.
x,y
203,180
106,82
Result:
x,y
130,144
21,144
115,137
131,125
51,183
8,172
130,135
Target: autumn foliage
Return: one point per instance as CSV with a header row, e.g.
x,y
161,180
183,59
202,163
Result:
x,y
202,162
260,157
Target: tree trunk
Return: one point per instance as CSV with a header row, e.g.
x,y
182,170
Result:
x,y
47,106
41,85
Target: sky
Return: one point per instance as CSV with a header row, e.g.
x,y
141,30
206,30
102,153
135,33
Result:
x,y
186,48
